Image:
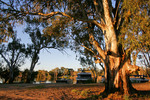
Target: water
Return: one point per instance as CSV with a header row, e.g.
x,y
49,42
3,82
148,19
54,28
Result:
x,y
1,81
42,82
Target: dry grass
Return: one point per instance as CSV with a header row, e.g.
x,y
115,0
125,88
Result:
x,y
67,92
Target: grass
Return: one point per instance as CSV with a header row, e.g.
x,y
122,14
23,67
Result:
x,y
126,97
83,93
77,92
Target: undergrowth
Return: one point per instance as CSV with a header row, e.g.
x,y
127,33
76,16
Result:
x,y
83,93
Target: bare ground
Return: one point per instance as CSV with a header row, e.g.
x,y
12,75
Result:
x,y
66,92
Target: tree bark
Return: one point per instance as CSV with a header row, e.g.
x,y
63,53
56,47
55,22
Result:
x,y
117,64
11,77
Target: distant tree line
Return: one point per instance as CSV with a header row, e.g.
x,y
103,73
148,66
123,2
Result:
x,y
43,75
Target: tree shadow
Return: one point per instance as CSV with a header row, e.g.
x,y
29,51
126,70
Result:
x,y
143,93
8,98
136,95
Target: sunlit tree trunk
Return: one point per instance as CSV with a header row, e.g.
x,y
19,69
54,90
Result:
x,y
117,65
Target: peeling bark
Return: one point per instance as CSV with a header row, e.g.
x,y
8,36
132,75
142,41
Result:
x,y
117,64
117,79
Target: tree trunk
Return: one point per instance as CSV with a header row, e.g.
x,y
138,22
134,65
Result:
x,y
117,64
33,63
29,76
11,76
117,78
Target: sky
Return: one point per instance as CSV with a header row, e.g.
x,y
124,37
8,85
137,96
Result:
x,y
53,58
49,60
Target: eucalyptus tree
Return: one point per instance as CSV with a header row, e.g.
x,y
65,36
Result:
x,y
13,54
124,25
40,41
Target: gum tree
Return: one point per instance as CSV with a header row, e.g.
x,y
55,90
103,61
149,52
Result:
x,y
40,41
123,24
14,55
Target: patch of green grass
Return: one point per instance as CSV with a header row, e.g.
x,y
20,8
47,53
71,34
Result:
x,y
76,91
85,92
126,97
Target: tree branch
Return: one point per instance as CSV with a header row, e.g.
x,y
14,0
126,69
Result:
x,y
100,25
116,11
88,49
8,63
4,3
54,13
17,56
96,46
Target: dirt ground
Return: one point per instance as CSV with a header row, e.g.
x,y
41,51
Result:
x,y
65,92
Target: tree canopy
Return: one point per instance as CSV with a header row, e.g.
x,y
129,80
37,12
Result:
x,y
13,54
110,29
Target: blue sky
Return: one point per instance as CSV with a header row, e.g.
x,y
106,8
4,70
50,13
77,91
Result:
x,y
53,58
50,60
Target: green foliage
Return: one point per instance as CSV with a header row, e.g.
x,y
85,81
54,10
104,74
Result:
x,y
83,25
77,92
15,50
6,28
83,93
43,39
126,97
13,54
135,33
4,74
24,75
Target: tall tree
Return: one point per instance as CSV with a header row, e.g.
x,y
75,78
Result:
x,y
41,41
124,25
14,55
